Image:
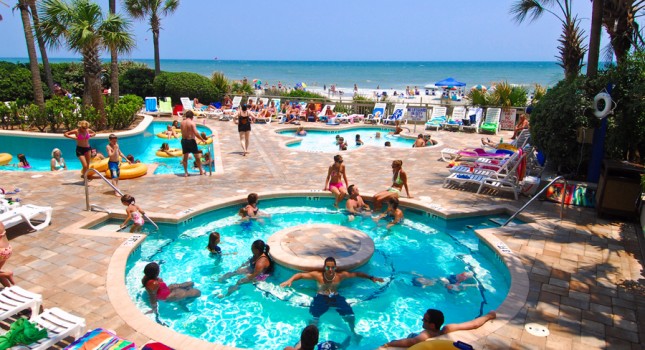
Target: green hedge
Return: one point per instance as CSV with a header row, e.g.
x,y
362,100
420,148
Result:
x,y
138,81
192,85
15,82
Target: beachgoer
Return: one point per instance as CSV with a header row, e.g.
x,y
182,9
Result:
x,y
399,181
342,145
355,204
6,277
207,161
419,142
258,267
359,142
243,118
166,149
189,144
213,241
95,155
58,162
131,159
134,212
309,341
158,290
293,115
393,213
301,131
202,107
378,134
23,162
522,124
114,160
432,321
453,283
82,136
59,91
327,295
388,144
311,112
170,132
175,124
329,114
334,181
227,103
397,128
355,88
251,207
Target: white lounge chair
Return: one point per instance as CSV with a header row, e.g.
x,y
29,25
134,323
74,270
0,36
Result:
x,y
455,121
26,213
322,116
398,114
15,299
228,113
474,116
491,123
377,114
59,325
437,118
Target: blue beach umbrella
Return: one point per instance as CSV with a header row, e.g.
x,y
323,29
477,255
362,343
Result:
x,y
449,82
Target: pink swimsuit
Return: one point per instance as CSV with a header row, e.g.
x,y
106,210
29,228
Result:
x,y
163,292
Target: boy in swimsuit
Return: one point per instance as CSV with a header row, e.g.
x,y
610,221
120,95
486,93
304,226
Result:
x,y
393,213
114,161
355,203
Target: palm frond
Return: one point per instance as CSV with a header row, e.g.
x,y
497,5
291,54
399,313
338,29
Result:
x,y
526,8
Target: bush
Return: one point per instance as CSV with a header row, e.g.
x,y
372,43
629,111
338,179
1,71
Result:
x,y
70,76
121,115
192,85
35,117
137,80
221,84
60,111
242,88
15,82
301,94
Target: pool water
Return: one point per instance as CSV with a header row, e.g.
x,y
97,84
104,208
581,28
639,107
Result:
x,y
325,140
143,147
266,316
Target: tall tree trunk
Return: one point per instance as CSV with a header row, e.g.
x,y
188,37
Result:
x,y
155,25
594,38
41,46
39,96
92,67
114,64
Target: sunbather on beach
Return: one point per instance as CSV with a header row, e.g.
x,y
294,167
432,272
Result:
x,y
293,115
202,107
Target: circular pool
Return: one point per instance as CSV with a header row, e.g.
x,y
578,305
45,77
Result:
x,y
324,140
267,316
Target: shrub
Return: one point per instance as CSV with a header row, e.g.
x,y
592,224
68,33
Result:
x,y
301,94
177,85
89,114
241,88
137,80
122,114
70,76
221,84
15,82
5,116
60,111
36,117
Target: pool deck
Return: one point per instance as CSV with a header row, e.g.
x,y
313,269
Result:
x,y
585,273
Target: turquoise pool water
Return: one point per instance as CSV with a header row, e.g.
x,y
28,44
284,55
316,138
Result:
x,y
143,147
325,140
266,316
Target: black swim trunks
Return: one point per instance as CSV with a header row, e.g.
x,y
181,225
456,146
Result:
x,y
323,302
80,151
189,146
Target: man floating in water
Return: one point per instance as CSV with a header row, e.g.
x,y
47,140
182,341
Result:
x,y
328,296
453,283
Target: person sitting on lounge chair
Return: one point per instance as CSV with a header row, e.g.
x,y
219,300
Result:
x,y
292,115
311,112
202,107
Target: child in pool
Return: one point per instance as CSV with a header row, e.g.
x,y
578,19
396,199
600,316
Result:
x,y
337,140
359,142
170,132
388,144
134,212
23,163
378,135
213,247
301,132
342,145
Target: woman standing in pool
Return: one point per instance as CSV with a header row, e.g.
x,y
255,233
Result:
x,y
82,136
243,118
158,290
334,180
258,267
399,181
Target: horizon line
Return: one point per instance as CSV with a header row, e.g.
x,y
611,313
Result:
x,y
276,60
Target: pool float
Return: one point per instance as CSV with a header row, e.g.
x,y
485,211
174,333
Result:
x,y
100,164
164,136
130,171
5,158
174,152
506,146
439,344
207,142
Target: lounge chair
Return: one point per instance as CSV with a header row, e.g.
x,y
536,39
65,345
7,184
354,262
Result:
x,y
491,123
377,113
474,116
437,118
59,325
151,105
321,116
15,299
456,119
398,114
487,166
165,106
228,113
26,213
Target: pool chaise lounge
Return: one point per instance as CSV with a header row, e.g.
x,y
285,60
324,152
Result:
x,y
26,213
15,299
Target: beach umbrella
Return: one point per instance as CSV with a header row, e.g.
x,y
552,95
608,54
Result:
x,y
303,85
451,82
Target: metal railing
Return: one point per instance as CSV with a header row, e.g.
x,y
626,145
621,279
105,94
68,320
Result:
x,y
89,207
564,190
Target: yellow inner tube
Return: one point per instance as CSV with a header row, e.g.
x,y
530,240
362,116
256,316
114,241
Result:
x,y
164,136
207,142
507,146
130,171
5,158
100,165
174,152
439,344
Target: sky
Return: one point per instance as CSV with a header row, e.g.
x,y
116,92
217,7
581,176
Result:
x,y
335,30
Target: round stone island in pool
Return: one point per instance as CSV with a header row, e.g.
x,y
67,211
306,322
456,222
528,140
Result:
x,y
305,247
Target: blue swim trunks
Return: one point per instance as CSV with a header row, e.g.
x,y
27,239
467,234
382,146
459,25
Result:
x,y
115,172
452,279
323,302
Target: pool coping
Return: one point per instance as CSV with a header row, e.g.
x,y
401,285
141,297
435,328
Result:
x,y
128,311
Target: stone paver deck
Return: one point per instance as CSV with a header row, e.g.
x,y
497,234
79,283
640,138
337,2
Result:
x,y
585,273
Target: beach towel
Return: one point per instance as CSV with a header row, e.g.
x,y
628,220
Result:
x,y
22,332
100,339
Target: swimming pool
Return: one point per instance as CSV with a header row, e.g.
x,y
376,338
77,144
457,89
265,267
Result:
x,y
142,146
325,140
266,316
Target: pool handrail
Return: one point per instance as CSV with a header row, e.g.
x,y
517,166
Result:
x,y
88,207
564,190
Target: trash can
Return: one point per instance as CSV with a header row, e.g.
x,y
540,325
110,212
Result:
x,y
619,189
530,186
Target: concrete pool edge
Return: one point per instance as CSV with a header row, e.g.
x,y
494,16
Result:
x,y
127,310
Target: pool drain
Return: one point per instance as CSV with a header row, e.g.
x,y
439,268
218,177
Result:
x,y
537,330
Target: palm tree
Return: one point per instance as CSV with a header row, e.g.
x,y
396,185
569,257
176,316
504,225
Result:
x,y
84,29
572,49
114,62
619,20
153,9
594,38
41,46
39,96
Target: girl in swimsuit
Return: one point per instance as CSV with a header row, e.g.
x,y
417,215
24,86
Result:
x,y
57,163
335,176
243,119
6,277
399,181
134,212
258,267
393,213
158,290
251,208
82,136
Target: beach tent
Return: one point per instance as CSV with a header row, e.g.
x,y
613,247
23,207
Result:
x,y
449,82
432,87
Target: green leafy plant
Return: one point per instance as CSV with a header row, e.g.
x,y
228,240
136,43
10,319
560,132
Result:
x,y
183,84
123,113
221,84
60,111
301,94
15,82
240,88
5,116
137,80
36,117
538,92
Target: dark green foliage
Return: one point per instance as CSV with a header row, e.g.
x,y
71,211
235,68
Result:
x,y
192,85
221,84
70,76
301,94
15,82
138,81
121,115
241,88
35,116
60,112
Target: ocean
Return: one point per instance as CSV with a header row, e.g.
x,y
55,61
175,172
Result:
x,y
366,75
